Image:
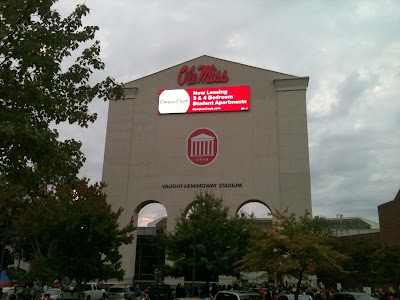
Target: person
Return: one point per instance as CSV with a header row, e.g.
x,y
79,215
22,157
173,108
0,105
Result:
x,y
54,285
46,296
309,291
261,292
4,296
268,295
205,290
180,291
389,296
214,289
276,295
138,293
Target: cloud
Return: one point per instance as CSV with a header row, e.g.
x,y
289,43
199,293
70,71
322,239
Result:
x,y
150,213
350,50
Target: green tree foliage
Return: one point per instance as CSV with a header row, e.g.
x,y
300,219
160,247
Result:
x,y
388,271
208,239
41,85
363,263
294,246
11,205
74,232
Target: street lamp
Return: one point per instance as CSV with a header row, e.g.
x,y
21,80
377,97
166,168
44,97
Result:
x,y
193,219
5,237
194,261
159,231
340,216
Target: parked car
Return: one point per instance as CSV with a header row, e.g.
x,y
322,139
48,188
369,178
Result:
x,y
292,297
91,291
120,292
158,292
237,295
352,296
54,293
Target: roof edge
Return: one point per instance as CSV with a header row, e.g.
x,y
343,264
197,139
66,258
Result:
x,y
213,57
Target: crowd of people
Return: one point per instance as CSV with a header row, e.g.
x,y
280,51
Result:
x,y
31,291
322,293
5,296
274,292
202,291
209,291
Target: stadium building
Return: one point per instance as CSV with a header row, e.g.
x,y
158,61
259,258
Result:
x,y
207,125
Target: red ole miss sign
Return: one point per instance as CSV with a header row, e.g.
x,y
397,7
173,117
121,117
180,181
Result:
x,y
203,75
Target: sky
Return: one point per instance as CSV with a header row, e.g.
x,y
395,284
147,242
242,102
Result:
x,y
349,49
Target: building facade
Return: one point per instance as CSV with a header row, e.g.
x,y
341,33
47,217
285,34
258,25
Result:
x,y
389,220
349,226
207,125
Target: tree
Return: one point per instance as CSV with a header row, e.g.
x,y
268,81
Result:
x,y
294,246
208,242
11,205
40,87
388,262
74,233
364,257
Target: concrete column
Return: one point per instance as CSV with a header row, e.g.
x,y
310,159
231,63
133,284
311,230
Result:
x,y
294,166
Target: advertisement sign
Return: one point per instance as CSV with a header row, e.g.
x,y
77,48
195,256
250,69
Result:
x,y
197,100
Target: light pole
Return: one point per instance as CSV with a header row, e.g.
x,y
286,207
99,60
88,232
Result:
x,y
340,216
159,231
193,218
194,259
5,237
140,260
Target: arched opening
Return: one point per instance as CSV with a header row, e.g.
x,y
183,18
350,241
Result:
x,y
259,210
151,212
150,256
256,207
263,217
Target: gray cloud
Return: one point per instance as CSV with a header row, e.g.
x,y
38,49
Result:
x,y
351,90
349,50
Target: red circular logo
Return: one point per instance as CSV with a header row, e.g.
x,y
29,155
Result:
x,y
202,146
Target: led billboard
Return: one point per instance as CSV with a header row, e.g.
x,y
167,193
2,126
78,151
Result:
x,y
197,100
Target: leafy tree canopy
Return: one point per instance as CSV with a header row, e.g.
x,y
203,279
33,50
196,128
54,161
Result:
x,y
40,87
208,239
11,205
74,232
388,271
364,257
294,246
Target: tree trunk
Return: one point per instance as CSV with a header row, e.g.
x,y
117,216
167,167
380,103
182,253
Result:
x,y
296,294
3,248
3,252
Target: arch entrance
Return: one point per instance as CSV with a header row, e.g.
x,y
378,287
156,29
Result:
x,y
259,210
151,223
